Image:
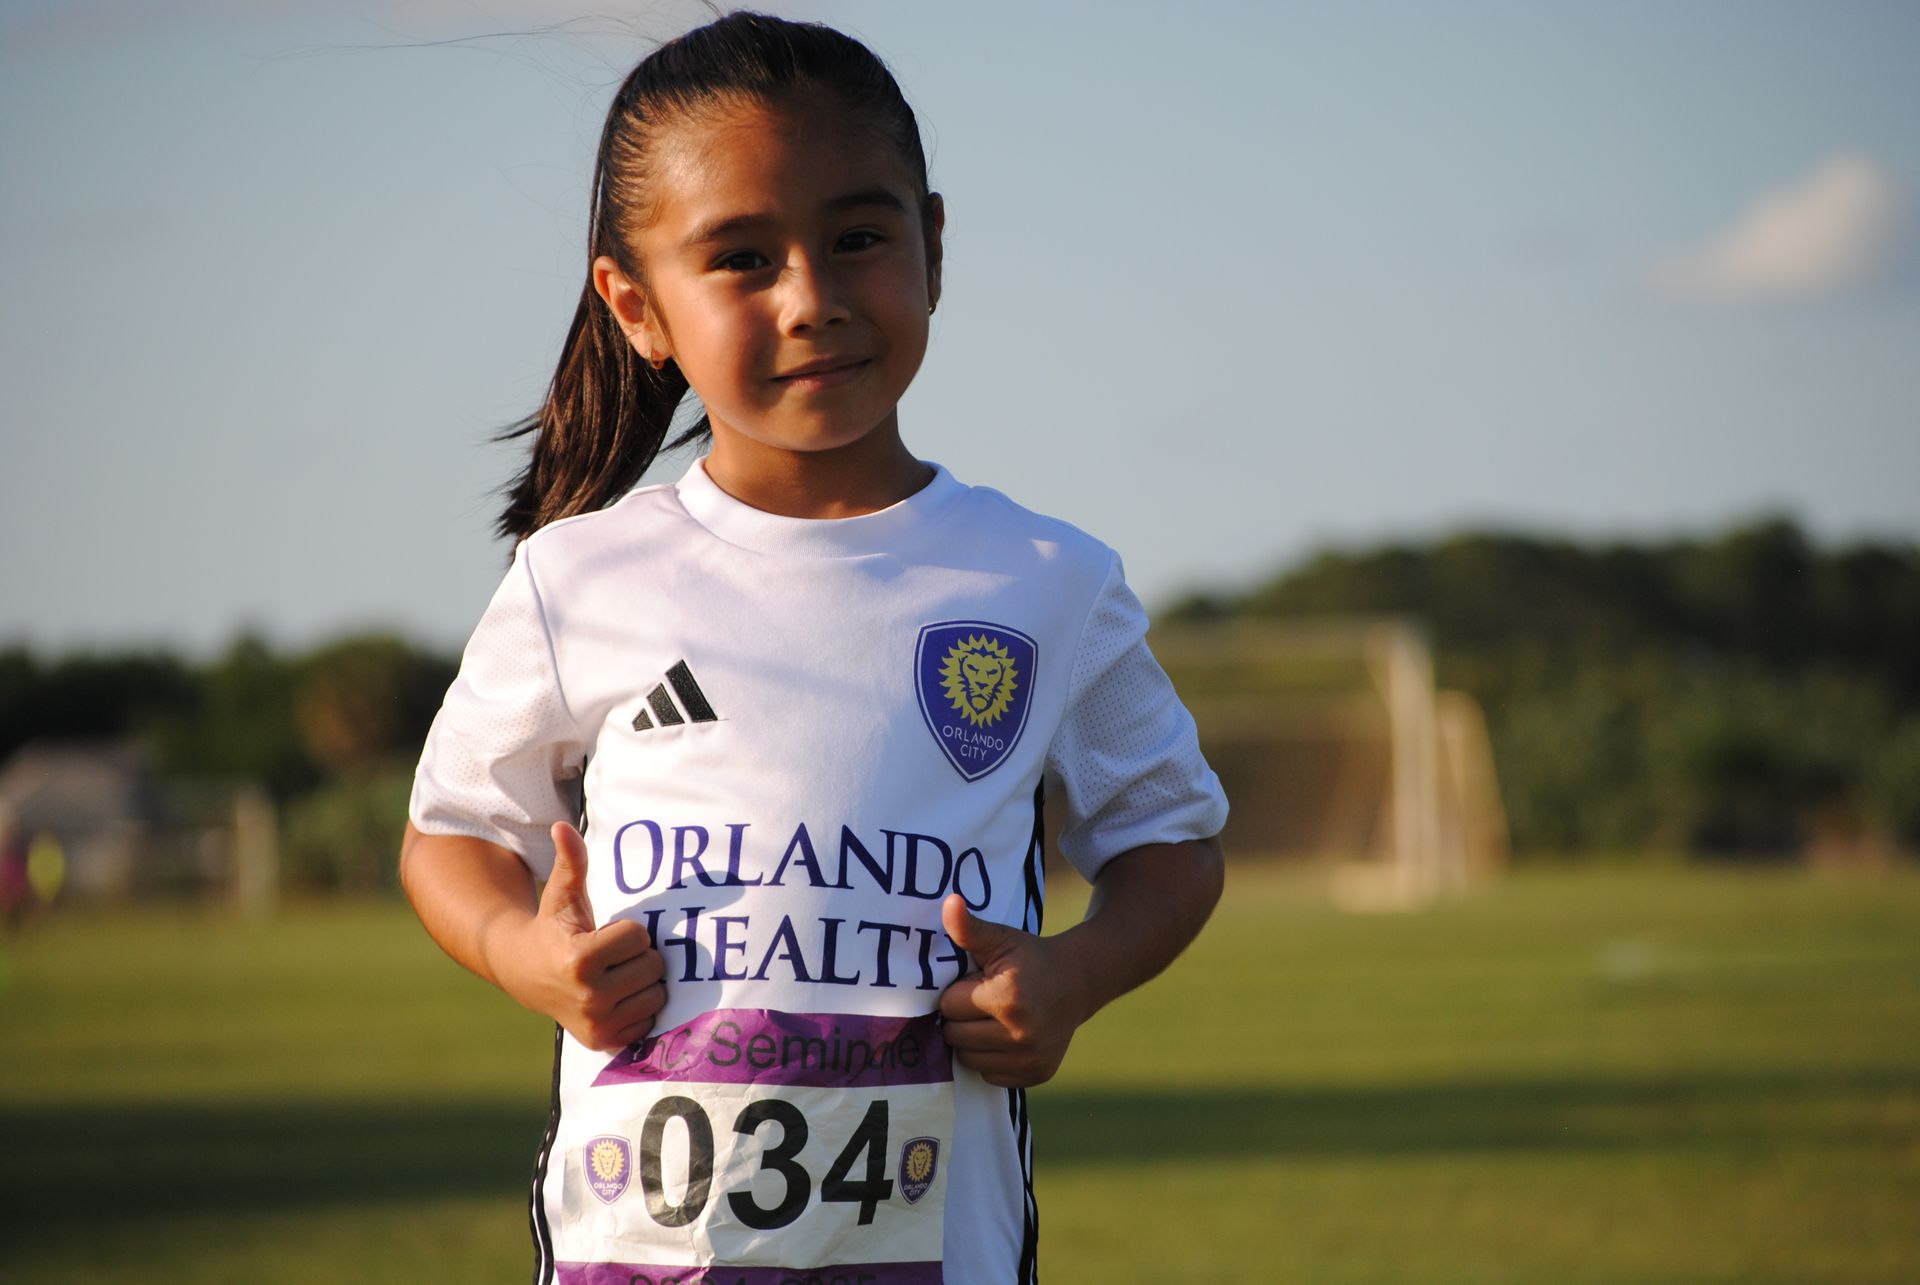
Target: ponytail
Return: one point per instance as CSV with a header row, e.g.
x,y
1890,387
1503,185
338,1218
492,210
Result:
x,y
604,421
607,412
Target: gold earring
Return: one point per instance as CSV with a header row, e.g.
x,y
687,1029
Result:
x,y
633,337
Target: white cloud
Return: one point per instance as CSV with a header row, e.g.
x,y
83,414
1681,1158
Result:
x,y
1829,232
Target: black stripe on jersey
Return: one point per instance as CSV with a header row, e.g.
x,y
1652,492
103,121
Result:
x,y
1035,911
1030,919
537,1205
641,723
663,706
1029,1272
690,694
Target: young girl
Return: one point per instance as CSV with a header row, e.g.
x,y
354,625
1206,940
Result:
x,y
804,707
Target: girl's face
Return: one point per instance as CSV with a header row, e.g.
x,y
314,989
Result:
x,y
790,274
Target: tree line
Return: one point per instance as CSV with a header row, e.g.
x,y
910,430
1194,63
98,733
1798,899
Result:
x,y
331,734
1747,693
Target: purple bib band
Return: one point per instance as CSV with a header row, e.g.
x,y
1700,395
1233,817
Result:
x,y
764,1046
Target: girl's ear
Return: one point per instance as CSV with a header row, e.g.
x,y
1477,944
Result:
x,y
628,303
936,222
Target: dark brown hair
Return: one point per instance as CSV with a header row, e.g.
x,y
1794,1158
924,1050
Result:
x,y
607,412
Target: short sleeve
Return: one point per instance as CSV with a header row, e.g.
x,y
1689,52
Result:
x,y
1126,752
503,758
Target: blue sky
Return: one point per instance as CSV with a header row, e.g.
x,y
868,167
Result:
x,y
1225,282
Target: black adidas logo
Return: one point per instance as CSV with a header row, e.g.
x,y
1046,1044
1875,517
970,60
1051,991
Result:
x,y
692,699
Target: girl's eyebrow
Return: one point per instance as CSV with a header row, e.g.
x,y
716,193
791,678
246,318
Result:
x,y
732,225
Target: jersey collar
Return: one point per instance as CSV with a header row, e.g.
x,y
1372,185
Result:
x,y
885,531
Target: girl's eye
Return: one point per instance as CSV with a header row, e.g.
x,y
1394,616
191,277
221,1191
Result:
x,y
861,240
741,261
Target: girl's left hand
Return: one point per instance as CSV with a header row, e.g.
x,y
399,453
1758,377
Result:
x,y
1012,1019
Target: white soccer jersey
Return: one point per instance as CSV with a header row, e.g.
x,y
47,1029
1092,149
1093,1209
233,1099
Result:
x,y
789,740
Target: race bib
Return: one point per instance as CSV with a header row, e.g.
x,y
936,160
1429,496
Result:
x,y
754,1147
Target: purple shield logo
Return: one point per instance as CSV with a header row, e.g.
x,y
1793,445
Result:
x,y
609,1164
919,1162
976,685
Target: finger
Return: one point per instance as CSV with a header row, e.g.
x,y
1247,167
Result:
x,y
565,896
633,976
993,1062
643,1005
1011,1072
619,941
601,1041
985,940
960,1001
622,1024
635,1032
977,1036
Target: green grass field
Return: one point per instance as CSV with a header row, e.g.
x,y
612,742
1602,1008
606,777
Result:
x,y
1646,1075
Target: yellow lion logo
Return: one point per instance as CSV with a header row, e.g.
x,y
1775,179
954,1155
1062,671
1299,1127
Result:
x,y
980,678
919,1162
608,1163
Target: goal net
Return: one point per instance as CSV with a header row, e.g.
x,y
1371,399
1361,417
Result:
x,y
1334,745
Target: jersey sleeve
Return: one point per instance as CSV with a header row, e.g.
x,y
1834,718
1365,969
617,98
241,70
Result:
x,y
1126,752
504,756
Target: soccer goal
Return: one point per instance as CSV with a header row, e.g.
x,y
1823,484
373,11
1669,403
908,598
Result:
x,y
1334,744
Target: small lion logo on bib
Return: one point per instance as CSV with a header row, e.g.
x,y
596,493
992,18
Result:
x,y
918,1160
609,1163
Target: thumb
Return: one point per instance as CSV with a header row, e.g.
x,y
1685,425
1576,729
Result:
x,y
565,896
985,940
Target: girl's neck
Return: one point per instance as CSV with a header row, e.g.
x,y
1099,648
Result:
x,y
866,476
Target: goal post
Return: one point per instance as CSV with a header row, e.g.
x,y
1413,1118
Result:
x,y
1335,746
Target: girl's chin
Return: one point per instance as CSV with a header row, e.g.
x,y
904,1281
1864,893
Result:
x,y
806,438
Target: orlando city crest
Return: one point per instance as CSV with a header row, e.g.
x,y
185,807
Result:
x,y
918,1161
609,1165
976,684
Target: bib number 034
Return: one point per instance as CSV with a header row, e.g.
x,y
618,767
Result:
x,y
866,1149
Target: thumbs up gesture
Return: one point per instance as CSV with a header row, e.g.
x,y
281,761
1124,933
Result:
x,y
1013,1017
602,984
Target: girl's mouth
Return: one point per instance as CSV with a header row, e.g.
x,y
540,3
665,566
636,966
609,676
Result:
x,y
824,374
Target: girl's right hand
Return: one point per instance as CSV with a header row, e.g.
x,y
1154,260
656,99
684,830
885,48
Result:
x,y
604,985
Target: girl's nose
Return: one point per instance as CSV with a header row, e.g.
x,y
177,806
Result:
x,y
811,297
